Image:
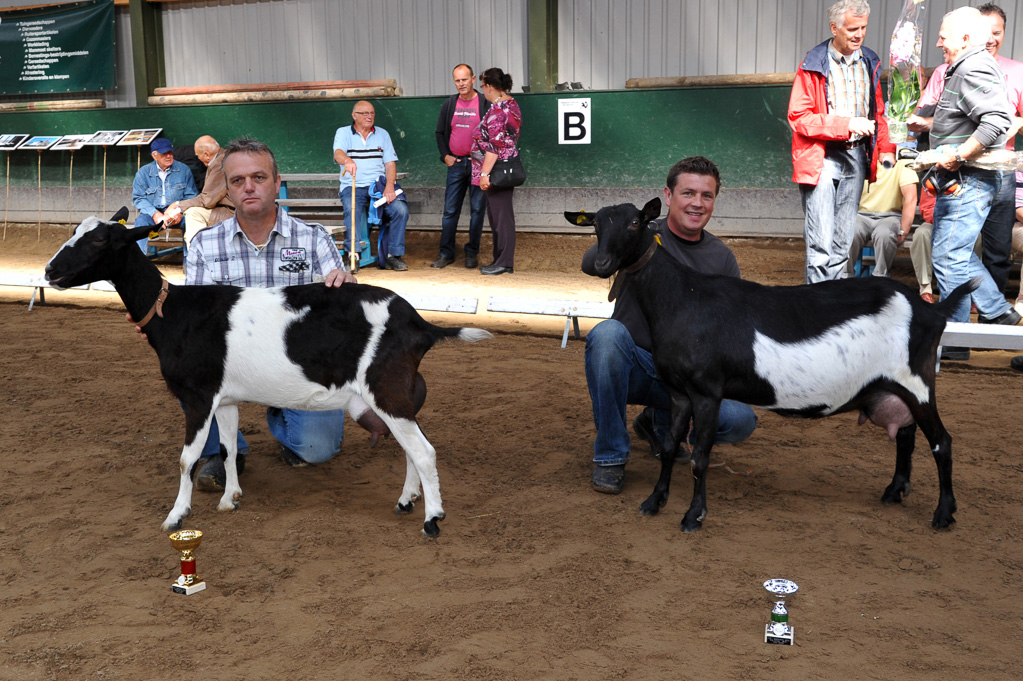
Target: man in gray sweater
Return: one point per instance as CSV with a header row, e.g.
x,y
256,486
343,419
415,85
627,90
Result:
x,y
971,117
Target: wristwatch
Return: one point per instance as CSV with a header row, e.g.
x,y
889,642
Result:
x,y
959,159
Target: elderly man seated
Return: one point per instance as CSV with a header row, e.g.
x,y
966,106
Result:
x,y
158,185
213,205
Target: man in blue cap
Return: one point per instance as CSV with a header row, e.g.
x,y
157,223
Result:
x,y
159,184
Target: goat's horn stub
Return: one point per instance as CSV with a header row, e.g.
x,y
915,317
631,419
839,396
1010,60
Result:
x,y
121,215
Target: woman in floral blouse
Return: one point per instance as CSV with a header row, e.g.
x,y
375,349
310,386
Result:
x,y
493,139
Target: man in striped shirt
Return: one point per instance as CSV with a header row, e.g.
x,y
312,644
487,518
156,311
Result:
x,y
263,246
366,153
839,134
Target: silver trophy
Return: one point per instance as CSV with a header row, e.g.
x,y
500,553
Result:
x,y
778,629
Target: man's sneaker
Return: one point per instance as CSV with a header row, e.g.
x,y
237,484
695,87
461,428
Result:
x,y
643,426
394,262
1010,318
471,261
292,459
955,354
442,261
212,476
1017,362
609,479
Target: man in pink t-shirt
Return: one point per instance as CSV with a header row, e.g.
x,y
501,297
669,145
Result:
x,y
459,116
997,231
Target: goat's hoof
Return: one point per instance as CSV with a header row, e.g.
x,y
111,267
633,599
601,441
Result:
x,y
168,526
942,521
404,509
228,507
690,524
652,505
430,528
894,493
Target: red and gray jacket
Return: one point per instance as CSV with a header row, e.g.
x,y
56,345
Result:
x,y
812,125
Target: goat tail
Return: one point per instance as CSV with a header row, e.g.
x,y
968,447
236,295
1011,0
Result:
x,y
949,304
470,335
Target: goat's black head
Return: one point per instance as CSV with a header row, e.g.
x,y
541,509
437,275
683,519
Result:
x,y
94,252
621,233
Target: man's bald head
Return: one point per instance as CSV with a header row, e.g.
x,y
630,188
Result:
x,y
206,149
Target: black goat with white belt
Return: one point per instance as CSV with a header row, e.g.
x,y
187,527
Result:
x,y
867,344
302,347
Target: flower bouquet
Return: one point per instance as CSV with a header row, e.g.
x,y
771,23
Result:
x,y
904,70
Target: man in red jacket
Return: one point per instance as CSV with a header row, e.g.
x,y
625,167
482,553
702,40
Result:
x,y
838,135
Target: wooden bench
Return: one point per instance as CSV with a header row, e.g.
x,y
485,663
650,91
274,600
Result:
x,y
572,310
38,284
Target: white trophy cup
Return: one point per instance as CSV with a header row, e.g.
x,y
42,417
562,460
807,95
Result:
x,y
778,630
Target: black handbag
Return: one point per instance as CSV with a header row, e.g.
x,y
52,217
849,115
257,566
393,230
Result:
x,y
508,173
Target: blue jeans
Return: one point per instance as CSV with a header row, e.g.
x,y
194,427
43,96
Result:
x,y
144,220
314,435
620,373
831,207
460,180
958,219
396,211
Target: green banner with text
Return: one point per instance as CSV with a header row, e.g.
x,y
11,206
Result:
x,y
63,48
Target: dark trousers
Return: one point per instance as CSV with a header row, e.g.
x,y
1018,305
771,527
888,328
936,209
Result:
x,y
501,214
459,181
996,235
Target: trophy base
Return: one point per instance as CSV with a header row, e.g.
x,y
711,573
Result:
x,y
188,590
785,639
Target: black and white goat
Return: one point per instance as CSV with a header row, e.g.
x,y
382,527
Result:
x,y
303,347
866,344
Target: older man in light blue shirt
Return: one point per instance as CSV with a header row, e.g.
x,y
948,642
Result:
x,y
366,152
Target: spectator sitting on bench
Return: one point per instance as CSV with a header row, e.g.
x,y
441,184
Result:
x,y
213,205
887,209
365,152
159,184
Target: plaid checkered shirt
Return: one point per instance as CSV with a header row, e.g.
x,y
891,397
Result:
x,y
848,85
297,253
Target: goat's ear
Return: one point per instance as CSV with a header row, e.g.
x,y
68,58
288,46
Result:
x,y
121,215
581,218
652,210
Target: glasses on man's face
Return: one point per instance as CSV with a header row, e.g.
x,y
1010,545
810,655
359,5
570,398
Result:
x,y
365,113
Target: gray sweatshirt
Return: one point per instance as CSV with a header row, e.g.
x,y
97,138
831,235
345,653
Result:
x,y
973,103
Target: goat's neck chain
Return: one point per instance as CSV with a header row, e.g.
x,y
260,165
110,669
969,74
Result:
x,y
616,287
157,308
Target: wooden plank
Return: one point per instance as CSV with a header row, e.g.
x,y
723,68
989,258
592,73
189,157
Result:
x,y
269,87
566,308
990,336
279,96
441,303
311,203
322,177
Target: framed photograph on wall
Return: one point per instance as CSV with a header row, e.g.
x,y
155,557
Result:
x,y
70,143
40,142
11,142
139,137
105,137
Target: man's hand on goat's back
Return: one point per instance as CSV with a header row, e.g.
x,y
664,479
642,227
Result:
x,y
337,277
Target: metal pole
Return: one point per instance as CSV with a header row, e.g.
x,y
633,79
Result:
x,y
104,211
7,200
39,183
70,190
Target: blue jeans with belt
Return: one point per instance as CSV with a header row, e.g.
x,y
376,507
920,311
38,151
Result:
x,y
618,372
460,180
831,207
958,219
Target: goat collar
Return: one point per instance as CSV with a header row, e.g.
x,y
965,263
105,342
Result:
x,y
157,308
616,287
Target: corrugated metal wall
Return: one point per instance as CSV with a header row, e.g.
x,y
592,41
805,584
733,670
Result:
x,y
416,43
603,43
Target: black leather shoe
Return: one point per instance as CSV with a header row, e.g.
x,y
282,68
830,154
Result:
x,y
1017,362
495,269
394,262
442,261
212,476
1010,318
609,479
643,426
471,261
291,458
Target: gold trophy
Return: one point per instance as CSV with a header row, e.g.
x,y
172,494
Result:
x,y
188,582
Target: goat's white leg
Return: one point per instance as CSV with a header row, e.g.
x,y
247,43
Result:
x,y
227,423
423,456
410,492
189,456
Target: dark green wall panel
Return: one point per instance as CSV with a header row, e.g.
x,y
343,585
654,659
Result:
x,y
636,136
